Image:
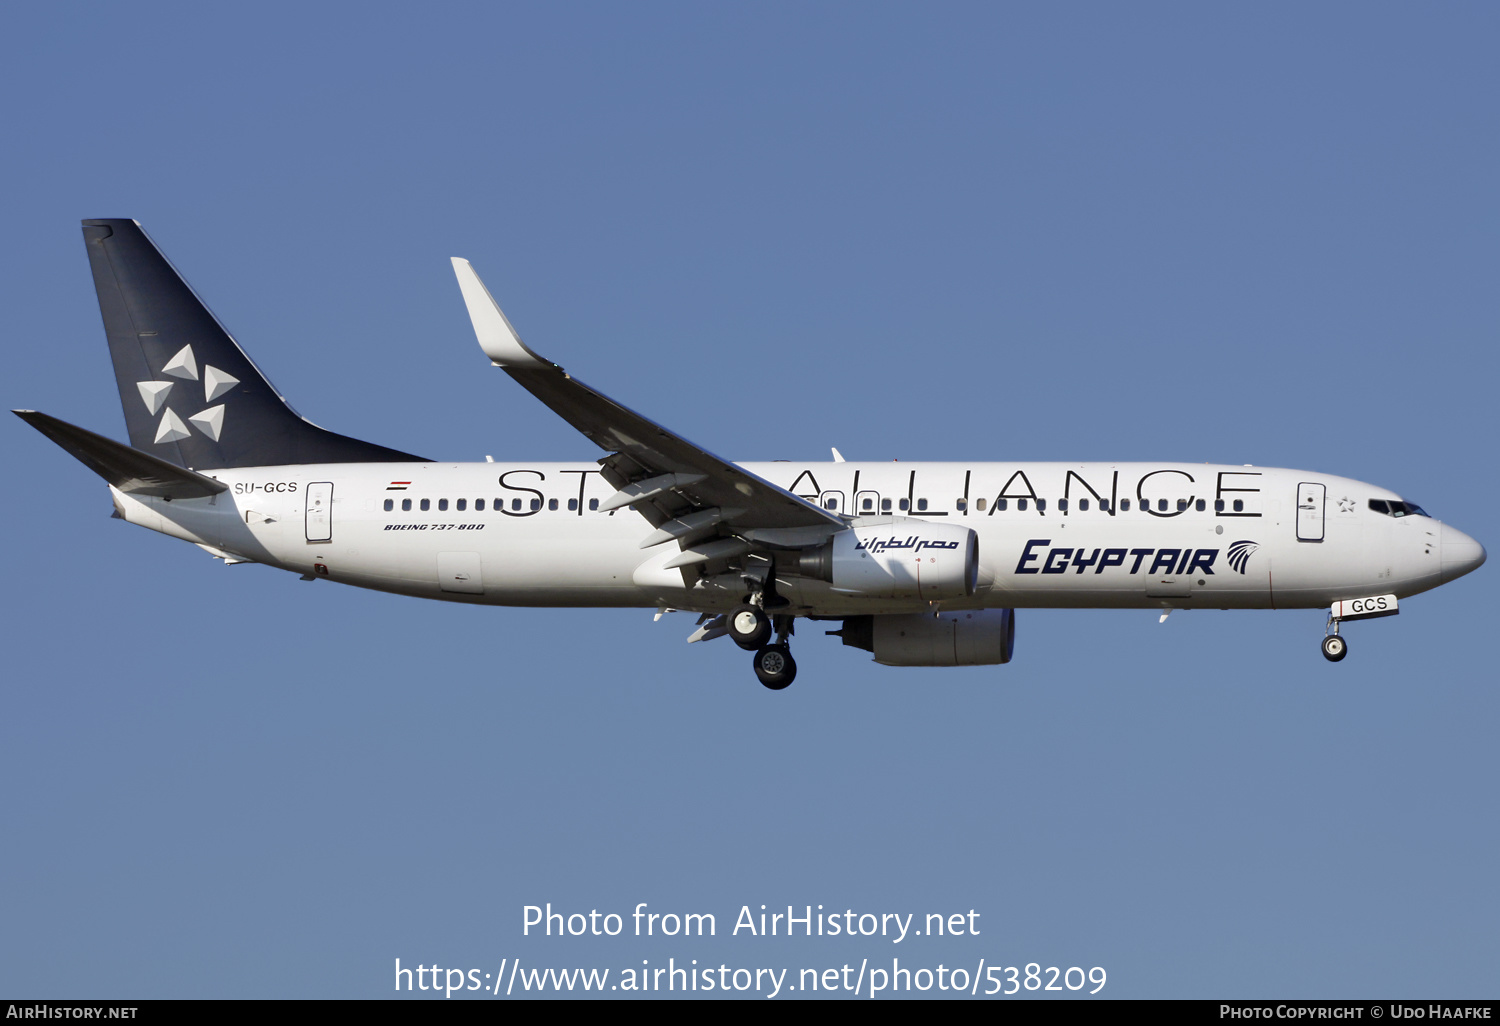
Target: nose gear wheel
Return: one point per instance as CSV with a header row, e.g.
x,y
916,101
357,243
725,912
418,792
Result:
x,y
1334,648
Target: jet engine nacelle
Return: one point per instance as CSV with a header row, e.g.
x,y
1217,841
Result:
x,y
899,558
976,637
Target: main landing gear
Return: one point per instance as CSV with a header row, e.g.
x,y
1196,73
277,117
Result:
x,y
751,629
775,667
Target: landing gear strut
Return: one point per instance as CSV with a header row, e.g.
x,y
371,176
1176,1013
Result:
x,y
1334,647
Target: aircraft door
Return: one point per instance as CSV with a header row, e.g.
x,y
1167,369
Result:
x,y
1310,500
319,512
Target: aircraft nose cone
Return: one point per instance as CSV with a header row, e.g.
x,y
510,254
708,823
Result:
x,y
1461,554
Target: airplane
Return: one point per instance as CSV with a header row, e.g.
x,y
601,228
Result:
x,y
920,564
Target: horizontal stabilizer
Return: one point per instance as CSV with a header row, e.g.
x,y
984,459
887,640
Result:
x,y
129,470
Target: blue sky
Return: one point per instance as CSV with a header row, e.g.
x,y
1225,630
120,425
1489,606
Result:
x,y
975,232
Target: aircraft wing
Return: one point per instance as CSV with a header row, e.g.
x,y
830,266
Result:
x,y
659,473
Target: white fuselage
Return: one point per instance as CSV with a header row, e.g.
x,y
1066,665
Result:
x,y
1049,534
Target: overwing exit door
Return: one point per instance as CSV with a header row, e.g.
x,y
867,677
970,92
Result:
x,y
1310,500
320,511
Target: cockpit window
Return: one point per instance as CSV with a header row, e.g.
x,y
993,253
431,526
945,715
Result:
x,y
1397,508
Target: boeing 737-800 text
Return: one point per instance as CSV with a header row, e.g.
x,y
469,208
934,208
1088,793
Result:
x,y
924,564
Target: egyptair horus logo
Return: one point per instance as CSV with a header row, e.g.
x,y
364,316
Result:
x,y
1240,553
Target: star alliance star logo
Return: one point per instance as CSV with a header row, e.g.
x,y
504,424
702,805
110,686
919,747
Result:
x,y
209,420
1346,505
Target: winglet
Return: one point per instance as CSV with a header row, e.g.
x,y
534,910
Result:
x,y
496,336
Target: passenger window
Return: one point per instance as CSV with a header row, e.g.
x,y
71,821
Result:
x,y
515,504
1004,504
442,504
962,504
1041,505
536,504
1125,505
905,505
1239,505
551,503
1182,505
1218,505
406,505
1062,505
593,504
1161,505
1020,504
390,504
426,505
885,505
1200,506
479,505
980,505
830,504
867,505
461,505
922,505
572,505
1083,505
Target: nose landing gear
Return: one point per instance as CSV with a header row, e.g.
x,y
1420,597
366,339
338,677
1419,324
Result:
x,y
1370,607
1334,647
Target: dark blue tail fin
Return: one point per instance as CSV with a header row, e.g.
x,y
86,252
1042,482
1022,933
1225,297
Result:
x,y
191,395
